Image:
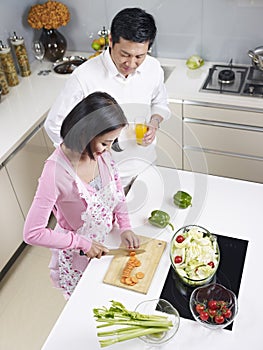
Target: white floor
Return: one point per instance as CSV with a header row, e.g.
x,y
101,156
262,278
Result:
x,y
29,305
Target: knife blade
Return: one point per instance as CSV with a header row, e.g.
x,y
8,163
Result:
x,y
120,251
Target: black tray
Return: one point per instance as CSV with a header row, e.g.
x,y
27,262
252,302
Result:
x,y
229,274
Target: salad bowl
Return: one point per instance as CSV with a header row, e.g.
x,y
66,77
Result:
x,y
194,255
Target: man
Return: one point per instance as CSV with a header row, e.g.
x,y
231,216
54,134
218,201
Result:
x,y
133,78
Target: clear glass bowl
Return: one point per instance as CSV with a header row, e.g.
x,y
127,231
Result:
x,y
187,275
163,308
222,299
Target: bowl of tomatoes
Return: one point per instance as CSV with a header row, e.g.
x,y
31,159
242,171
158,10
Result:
x,y
213,306
194,255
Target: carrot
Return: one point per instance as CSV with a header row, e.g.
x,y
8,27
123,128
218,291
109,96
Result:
x,y
139,275
134,279
126,277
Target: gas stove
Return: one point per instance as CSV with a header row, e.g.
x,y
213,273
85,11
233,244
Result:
x,y
234,79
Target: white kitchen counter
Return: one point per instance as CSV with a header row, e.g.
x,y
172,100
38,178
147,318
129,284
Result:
x,y
25,106
224,206
185,84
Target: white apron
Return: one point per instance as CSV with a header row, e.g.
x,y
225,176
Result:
x,y
67,266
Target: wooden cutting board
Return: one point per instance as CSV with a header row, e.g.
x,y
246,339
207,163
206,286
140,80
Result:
x,y
149,262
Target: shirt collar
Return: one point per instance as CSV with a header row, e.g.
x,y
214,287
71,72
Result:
x,y
113,71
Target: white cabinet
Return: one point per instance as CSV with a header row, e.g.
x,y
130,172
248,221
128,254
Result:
x,y
223,141
169,138
11,220
25,167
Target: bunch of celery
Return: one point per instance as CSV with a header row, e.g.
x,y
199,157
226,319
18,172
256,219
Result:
x,y
133,324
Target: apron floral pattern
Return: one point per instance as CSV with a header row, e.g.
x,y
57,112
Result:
x,y
97,223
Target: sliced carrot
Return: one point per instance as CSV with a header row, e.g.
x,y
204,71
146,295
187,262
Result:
x,y
128,280
137,263
134,279
139,275
123,280
132,253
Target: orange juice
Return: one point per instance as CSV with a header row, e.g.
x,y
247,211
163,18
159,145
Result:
x,y
140,130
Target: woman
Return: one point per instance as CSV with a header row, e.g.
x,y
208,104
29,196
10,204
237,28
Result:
x,y
81,186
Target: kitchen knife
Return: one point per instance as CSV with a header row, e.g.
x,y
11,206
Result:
x,y
120,251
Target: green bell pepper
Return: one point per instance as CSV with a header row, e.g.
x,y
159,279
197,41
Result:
x,y
182,199
160,219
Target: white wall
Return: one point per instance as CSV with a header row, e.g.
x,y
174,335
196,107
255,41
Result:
x,y
218,30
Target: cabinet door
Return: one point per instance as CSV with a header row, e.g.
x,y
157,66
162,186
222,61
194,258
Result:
x,y
169,139
11,220
49,143
224,165
25,167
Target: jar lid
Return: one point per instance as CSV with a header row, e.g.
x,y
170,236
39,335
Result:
x,y
4,48
16,40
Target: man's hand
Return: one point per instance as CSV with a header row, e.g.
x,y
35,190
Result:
x,y
153,126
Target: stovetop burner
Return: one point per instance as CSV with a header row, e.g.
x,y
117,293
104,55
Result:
x,y
226,76
226,79
234,79
229,274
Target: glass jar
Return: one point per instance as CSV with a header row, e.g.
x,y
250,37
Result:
x,y
3,82
8,65
21,54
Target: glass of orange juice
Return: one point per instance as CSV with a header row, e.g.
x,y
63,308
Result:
x,y
140,129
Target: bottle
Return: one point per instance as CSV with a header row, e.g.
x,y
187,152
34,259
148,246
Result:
x,y
3,82
21,54
8,65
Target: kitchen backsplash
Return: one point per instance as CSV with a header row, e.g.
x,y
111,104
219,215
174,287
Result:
x,y
218,30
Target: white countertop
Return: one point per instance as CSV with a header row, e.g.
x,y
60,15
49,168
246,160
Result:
x,y
185,84
224,206
26,105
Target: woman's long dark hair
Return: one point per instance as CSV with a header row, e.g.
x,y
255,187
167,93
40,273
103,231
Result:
x,y
95,115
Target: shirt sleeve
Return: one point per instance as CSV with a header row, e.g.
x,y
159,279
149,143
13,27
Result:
x,y
36,231
160,103
69,97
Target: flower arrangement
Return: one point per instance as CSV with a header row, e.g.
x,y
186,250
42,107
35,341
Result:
x,y
50,15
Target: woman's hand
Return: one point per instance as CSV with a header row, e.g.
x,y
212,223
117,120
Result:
x,y
130,239
97,250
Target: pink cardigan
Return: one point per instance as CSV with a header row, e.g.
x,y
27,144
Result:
x,y
57,192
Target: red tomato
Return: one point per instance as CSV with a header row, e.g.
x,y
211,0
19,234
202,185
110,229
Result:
x,y
212,304
199,308
211,263
212,312
219,319
178,259
227,313
179,239
204,316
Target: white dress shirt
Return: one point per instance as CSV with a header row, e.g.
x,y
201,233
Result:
x,y
142,93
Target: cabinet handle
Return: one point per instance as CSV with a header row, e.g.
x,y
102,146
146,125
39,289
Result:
x,y
223,124
224,153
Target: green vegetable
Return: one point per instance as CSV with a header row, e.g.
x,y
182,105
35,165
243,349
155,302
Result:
x,y
195,62
138,324
160,218
182,199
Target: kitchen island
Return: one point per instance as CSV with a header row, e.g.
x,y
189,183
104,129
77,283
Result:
x,y
227,207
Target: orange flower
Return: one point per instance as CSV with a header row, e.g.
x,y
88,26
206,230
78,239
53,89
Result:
x,y
51,14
